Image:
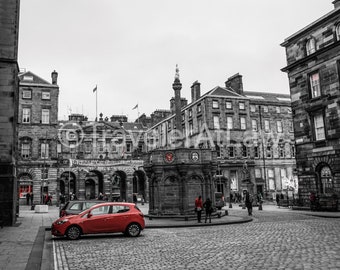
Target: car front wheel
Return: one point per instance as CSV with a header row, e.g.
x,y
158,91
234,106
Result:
x,y
73,233
133,230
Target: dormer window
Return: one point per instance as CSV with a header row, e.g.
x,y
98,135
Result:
x,y
310,46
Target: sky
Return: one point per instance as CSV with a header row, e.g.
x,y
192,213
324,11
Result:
x,y
130,48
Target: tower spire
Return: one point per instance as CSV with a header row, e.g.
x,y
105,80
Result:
x,y
177,86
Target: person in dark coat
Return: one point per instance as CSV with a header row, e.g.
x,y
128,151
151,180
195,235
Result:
x,y
28,198
278,199
208,209
249,203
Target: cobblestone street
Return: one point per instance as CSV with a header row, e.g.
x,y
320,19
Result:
x,y
274,240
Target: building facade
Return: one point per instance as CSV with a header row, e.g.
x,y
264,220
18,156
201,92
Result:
x,y
37,137
9,30
251,132
313,68
77,157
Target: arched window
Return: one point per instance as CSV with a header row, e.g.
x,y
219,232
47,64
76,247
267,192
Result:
x,y
310,46
326,180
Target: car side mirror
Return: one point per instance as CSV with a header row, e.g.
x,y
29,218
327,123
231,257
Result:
x,y
89,215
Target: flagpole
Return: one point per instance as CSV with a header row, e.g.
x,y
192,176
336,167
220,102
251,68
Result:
x,y
137,113
96,104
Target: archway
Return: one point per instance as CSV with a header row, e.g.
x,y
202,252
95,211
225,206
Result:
x,y
25,188
119,186
94,181
68,179
90,189
139,183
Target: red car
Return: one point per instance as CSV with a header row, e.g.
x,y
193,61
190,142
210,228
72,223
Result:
x,y
110,217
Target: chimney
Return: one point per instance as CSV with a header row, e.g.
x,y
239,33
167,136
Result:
x,y
54,76
336,4
195,91
235,82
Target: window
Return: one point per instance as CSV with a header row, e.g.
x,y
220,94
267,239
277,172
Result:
x,y
266,126
269,151
191,128
310,46
228,105
190,113
199,124
45,95
26,115
218,150
252,108
290,126
44,173
278,109
58,148
241,106
315,84
44,150
281,150
271,179
319,127
216,122
258,173
279,126
25,150
229,122
199,108
292,150
254,125
256,152
337,30
244,150
45,116
243,123
26,94
265,108
231,151
102,210
128,147
215,104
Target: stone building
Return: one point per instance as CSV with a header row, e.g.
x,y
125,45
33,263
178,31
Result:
x,y
101,157
251,133
9,29
313,68
37,136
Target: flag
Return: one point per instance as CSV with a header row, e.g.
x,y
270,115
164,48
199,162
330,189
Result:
x,y
95,89
135,107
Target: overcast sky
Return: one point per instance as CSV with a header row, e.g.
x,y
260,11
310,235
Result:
x,y
130,48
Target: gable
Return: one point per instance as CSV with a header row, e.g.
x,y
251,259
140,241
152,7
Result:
x,y
30,78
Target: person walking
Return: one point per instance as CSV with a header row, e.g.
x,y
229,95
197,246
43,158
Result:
x,y
28,198
249,203
208,209
198,208
278,200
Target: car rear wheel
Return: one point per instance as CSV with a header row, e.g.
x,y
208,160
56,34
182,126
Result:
x,y
133,230
73,233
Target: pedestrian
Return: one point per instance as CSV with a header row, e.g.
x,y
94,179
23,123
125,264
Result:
x,y
249,203
278,200
312,199
28,198
208,209
31,197
198,208
100,196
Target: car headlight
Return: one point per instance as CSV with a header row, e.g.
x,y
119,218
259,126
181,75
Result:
x,y
60,222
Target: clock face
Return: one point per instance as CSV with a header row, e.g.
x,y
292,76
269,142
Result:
x,y
194,156
169,157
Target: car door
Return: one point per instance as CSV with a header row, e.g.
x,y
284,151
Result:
x,y
98,220
119,218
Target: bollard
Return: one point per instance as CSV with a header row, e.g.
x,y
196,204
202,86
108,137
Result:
x,y
260,206
226,212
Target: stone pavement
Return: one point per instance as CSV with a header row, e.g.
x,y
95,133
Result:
x,y
23,246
